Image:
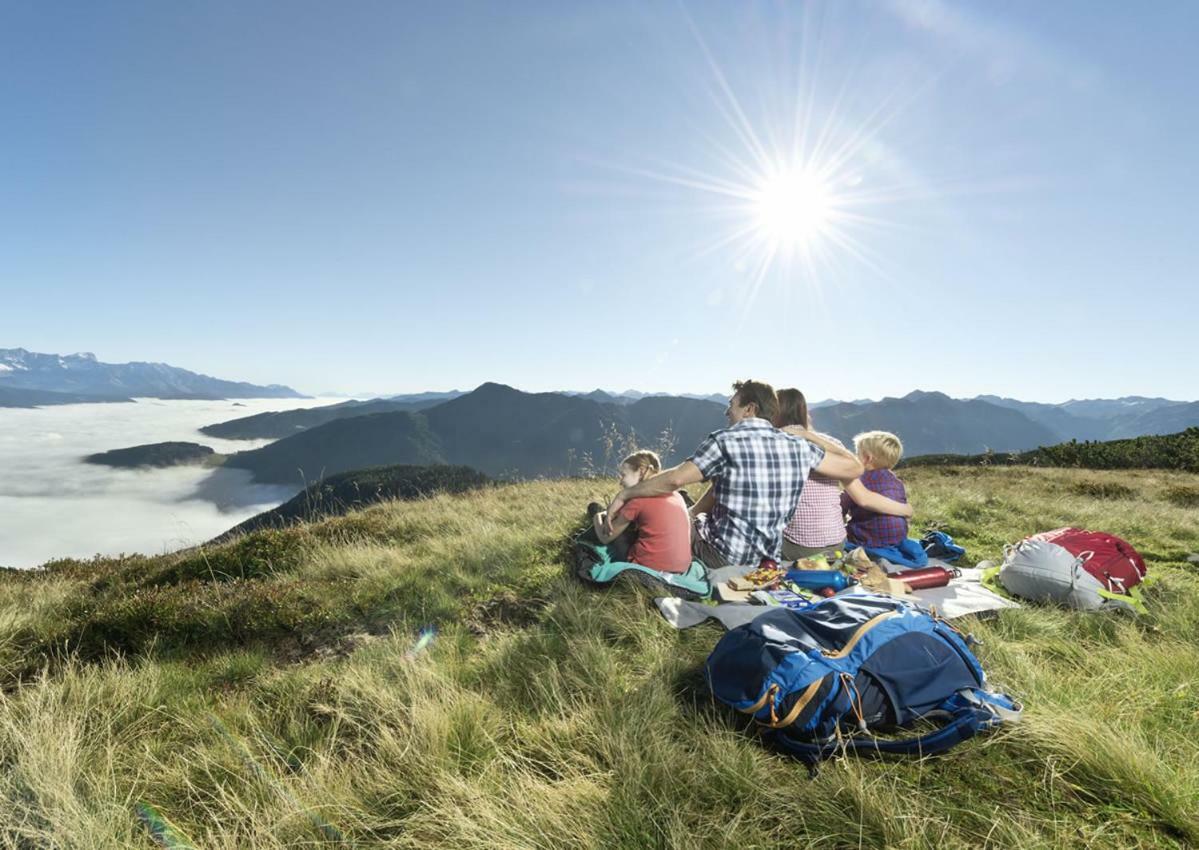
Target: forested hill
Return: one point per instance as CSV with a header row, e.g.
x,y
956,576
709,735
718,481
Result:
x,y
1173,451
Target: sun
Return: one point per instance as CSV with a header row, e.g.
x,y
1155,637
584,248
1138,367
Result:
x,y
793,207
796,195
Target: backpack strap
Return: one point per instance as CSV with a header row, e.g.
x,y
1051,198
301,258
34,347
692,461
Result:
x,y
970,714
964,726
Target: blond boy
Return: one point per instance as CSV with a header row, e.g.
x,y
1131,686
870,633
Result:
x,y
879,451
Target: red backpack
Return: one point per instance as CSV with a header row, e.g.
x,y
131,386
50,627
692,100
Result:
x,y
1110,560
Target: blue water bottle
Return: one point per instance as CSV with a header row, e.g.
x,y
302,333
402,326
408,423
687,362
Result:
x,y
819,579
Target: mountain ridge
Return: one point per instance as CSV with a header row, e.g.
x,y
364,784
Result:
x,y
505,432
83,374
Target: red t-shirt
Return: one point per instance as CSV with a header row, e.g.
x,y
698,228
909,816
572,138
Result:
x,y
663,533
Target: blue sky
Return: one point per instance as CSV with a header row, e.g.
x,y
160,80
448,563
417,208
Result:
x,y
401,196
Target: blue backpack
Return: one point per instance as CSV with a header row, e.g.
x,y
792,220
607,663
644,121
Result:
x,y
822,680
938,544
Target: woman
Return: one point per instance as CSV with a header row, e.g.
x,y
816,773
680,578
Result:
x,y
818,524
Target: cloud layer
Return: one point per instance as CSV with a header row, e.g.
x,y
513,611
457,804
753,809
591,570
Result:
x,y
53,505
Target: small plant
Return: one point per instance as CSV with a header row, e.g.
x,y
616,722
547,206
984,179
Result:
x,y
666,443
1102,490
1182,496
617,445
587,467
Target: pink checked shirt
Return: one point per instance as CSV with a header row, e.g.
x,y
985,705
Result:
x,y
818,520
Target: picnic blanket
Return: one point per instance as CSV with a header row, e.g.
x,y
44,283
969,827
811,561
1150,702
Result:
x,y
963,595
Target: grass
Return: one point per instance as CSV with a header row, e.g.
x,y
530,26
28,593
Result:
x,y
265,693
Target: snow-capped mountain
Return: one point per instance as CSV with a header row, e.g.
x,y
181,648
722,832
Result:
x,y
83,375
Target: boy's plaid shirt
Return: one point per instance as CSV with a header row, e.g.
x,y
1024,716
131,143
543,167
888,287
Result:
x,y
759,473
877,531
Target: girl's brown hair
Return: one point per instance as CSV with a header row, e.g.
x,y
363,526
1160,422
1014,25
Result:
x,y
793,409
645,462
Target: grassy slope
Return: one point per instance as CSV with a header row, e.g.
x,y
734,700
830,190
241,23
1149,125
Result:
x,y
268,697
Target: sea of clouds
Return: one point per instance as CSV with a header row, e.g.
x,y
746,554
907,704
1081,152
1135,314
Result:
x,y
54,505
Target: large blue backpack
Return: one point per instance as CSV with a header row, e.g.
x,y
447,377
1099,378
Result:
x,y
825,679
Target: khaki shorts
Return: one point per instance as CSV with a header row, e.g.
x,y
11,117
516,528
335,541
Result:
x,y
793,551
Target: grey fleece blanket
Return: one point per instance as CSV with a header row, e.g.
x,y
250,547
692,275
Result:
x,y
964,595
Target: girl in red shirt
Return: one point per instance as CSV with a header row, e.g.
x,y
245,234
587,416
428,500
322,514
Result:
x,y
662,524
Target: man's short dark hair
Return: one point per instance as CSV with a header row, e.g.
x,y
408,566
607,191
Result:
x,y
759,394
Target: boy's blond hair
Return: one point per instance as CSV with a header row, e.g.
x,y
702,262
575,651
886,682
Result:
x,y
645,462
884,448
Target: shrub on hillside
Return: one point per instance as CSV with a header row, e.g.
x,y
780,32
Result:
x,y
1173,451
1102,490
1182,496
252,556
199,615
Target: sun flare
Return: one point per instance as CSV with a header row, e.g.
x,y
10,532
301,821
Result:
x,y
793,207
796,195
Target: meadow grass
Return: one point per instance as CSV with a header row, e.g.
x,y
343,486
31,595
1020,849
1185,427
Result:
x,y
266,693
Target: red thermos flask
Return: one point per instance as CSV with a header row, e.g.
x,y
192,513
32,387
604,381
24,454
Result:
x,y
925,577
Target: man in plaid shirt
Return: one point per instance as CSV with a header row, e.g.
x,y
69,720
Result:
x,y
758,473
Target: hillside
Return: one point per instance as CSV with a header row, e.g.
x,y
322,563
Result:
x,y
273,692
340,494
83,374
495,429
285,423
1174,451
379,439
154,455
498,429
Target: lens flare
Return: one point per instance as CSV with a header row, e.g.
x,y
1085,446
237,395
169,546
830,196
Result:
x,y
424,638
160,829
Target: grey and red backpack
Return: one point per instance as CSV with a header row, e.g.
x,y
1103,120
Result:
x,y
1087,570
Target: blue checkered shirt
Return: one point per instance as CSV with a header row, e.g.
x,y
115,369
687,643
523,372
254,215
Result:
x,y
759,473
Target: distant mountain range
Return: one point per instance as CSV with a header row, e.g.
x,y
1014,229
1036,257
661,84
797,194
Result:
x,y
29,379
504,432
630,396
933,422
